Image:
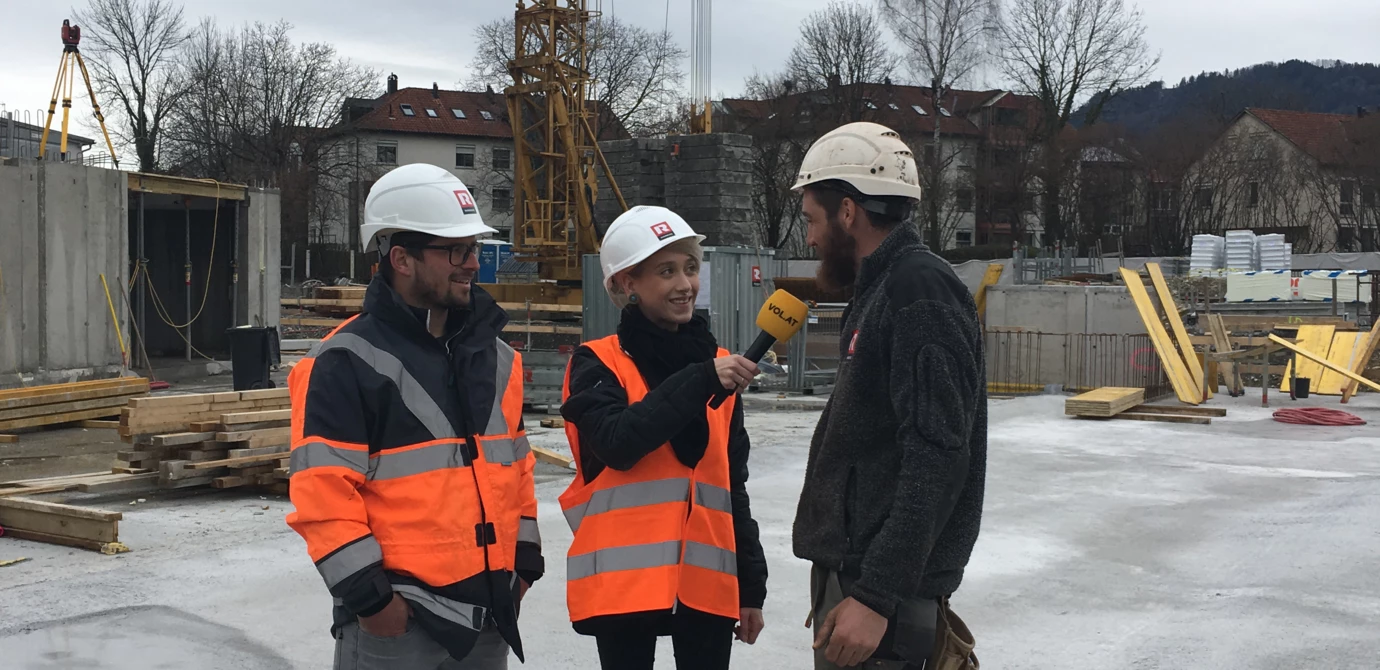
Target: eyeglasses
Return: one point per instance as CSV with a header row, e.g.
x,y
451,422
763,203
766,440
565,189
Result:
x,y
464,251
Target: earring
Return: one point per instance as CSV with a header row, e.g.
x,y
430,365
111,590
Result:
x,y
633,299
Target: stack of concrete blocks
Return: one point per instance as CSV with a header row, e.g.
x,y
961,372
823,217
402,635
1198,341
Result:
x,y
707,179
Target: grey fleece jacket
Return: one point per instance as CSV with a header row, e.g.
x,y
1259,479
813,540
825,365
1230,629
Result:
x,y
894,484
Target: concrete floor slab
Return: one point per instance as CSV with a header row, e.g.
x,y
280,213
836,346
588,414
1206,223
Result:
x,y
1246,544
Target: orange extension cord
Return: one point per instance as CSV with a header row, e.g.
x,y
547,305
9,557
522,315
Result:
x,y
1318,416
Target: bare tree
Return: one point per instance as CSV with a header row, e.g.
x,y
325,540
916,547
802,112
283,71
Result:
x,y
262,109
944,41
1063,52
134,47
637,72
778,147
840,49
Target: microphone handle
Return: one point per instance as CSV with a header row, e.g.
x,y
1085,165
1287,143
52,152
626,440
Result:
x,y
754,353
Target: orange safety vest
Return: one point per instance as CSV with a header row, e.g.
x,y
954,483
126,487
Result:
x,y
657,534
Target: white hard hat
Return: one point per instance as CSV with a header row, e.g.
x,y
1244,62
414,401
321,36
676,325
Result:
x,y
420,198
869,156
637,234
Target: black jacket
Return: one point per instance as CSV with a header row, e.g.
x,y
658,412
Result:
x,y
894,484
618,435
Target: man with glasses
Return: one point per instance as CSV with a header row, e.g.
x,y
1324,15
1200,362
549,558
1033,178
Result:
x,y
411,471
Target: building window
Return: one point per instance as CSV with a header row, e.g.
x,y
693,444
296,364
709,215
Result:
x,y
893,106
503,159
1348,198
407,110
1253,194
432,113
964,199
919,110
459,113
487,116
464,156
503,200
387,153
1202,198
870,104
965,238
1010,117
1368,196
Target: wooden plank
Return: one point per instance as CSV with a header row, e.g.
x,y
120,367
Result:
x,y
98,423
1346,347
8,439
256,417
35,490
64,408
168,401
265,394
54,419
113,390
1164,418
60,509
1179,376
547,456
1179,409
1223,344
553,423
49,538
989,279
1324,362
204,455
284,433
1372,342
48,390
56,524
231,462
189,482
310,322
258,451
206,426
1106,401
539,328
1269,322
120,484
176,439
1176,326
1317,339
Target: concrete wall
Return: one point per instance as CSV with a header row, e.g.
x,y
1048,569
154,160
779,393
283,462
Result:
x,y
260,250
64,226
1064,309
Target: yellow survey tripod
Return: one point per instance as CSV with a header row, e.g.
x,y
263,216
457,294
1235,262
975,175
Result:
x,y
71,60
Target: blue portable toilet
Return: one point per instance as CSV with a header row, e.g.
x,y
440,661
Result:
x,y
492,255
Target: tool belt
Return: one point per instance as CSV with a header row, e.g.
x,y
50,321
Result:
x,y
923,634
953,644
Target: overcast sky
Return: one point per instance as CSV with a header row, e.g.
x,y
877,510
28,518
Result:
x,y
428,40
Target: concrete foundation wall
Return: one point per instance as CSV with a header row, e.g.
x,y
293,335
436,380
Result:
x,y
1064,309
64,227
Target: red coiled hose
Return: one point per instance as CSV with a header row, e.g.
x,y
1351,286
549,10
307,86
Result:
x,y
1318,416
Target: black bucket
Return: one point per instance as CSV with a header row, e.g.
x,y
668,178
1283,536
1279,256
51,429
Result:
x,y
1301,385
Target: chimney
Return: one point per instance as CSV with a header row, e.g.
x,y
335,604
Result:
x,y
435,91
392,84
489,89
834,80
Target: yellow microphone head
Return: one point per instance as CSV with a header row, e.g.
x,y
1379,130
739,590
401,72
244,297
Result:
x,y
782,315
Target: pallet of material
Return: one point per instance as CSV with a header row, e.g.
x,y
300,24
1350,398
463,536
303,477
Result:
x,y
54,404
163,415
1104,402
66,525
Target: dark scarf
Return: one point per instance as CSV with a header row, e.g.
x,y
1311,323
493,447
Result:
x,y
659,353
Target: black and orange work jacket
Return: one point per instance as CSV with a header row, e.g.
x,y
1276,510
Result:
x,y
411,471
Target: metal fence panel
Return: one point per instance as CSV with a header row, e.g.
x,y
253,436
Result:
x,y
813,358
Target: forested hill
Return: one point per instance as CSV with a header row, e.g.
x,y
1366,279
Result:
x,y
1331,87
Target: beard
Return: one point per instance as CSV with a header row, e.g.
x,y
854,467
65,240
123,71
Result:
x,y
437,292
838,263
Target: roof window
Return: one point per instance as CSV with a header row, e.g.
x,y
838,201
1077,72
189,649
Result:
x,y
487,116
431,113
459,113
407,110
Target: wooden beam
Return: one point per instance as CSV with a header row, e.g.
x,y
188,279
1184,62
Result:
x,y
1368,352
70,387
310,322
547,328
1179,376
142,182
283,433
64,408
59,521
54,419
548,456
108,389
1163,418
98,423
256,417
1176,326
177,439
1324,363
1179,409
232,462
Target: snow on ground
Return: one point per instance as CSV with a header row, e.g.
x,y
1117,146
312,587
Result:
x,y
1122,544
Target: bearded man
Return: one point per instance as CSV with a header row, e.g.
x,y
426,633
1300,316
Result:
x,y
893,489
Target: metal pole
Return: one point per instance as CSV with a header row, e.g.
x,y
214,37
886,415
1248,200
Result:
x,y
1334,296
235,265
292,265
142,285
187,269
307,274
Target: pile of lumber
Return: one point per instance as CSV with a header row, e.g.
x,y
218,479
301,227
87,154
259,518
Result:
x,y
67,525
224,440
331,305
54,404
1104,402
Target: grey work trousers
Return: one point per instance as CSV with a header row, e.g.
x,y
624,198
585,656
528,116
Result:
x,y
415,650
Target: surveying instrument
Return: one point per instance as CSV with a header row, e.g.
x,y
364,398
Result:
x,y
71,60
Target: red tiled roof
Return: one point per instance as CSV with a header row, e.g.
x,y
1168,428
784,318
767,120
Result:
x,y
388,115
903,117
1319,135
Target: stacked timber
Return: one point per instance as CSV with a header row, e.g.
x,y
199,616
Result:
x,y
54,404
223,440
331,305
1104,402
67,525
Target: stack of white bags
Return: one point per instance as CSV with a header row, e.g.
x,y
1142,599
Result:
x,y
1274,252
1241,253
1209,253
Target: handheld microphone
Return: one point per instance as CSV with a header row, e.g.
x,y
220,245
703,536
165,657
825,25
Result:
x,y
781,317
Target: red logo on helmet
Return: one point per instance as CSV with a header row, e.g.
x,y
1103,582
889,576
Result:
x,y
662,230
466,201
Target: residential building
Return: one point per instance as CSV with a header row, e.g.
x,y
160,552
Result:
x,y
22,140
982,154
1312,177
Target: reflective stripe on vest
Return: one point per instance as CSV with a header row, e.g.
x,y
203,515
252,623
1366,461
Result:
x,y
349,559
657,534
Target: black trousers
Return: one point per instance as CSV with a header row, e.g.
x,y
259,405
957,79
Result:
x,y
702,642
